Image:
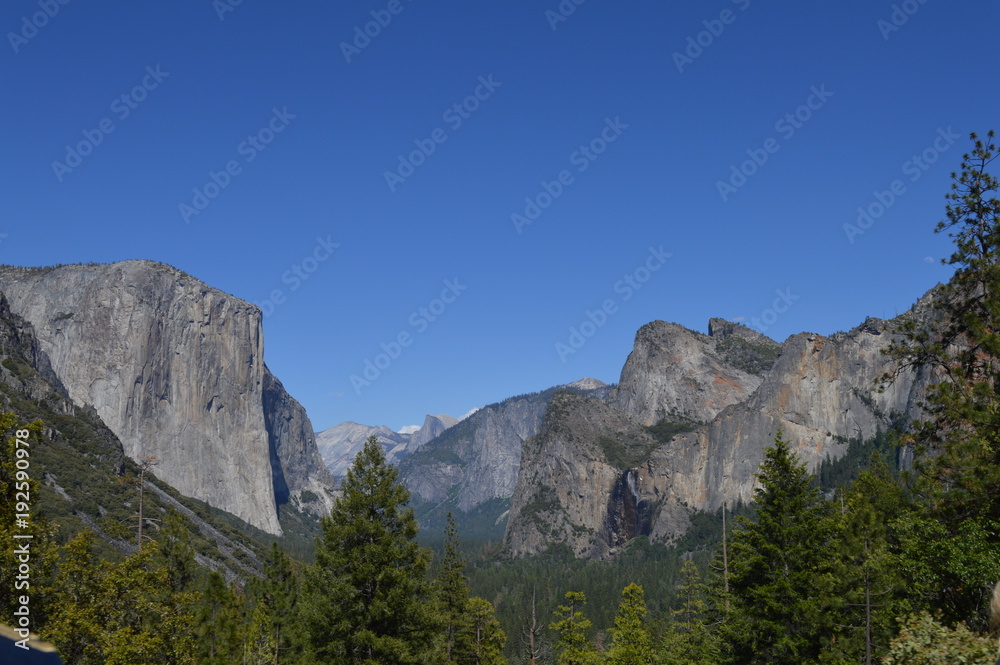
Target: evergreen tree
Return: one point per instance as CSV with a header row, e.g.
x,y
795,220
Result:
x,y
259,647
870,591
452,594
277,603
687,639
958,442
218,623
77,620
369,593
573,646
631,642
779,580
485,638
121,613
175,553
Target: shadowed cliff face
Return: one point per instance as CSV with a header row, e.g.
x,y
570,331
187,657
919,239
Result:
x,y
175,369
296,465
576,485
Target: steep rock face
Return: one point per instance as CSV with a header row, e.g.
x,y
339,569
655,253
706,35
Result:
x,y
433,427
175,369
576,486
298,471
819,392
481,454
677,374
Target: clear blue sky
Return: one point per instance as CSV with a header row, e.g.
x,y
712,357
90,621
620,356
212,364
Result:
x,y
205,85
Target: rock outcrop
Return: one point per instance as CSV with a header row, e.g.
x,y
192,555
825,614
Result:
x,y
576,486
175,369
433,427
678,374
297,469
820,391
478,459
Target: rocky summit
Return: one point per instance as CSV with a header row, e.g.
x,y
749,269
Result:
x,y
686,429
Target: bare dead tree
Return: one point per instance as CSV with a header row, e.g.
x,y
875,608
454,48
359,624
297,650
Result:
x,y
531,634
146,462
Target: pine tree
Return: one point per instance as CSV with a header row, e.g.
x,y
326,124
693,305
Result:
x,y
218,623
573,646
485,638
870,591
631,642
277,601
955,553
452,593
369,594
687,640
779,578
175,554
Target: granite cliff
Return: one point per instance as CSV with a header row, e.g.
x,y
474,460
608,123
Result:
x,y
175,369
478,459
678,374
596,475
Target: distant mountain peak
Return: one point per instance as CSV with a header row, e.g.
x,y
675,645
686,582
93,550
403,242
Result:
x,y
587,383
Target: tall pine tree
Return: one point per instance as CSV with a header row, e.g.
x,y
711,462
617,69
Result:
x,y
573,645
779,576
452,594
369,593
955,552
687,639
631,642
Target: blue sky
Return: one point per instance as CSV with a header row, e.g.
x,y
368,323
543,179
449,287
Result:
x,y
288,135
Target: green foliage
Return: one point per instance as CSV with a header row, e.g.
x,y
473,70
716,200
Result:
x,y
218,621
572,629
368,598
924,641
870,591
687,639
779,580
484,637
123,613
626,451
832,474
631,641
452,591
275,615
753,357
958,442
668,428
